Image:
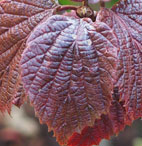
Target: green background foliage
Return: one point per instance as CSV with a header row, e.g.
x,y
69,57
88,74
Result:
x,y
69,2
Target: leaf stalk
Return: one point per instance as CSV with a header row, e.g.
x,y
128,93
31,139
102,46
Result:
x,y
66,7
102,4
85,3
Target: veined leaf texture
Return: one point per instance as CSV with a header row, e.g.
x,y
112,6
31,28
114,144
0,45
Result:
x,y
17,19
64,74
83,77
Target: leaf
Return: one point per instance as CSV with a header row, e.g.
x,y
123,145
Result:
x,y
92,135
82,77
20,96
105,127
125,20
68,71
17,19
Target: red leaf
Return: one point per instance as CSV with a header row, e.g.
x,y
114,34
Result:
x,y
20,96
130,12
68,70
17,20
126,23
92,135
70,67
105,127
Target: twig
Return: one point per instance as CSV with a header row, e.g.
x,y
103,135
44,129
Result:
x,y
66,7
85,3
102,4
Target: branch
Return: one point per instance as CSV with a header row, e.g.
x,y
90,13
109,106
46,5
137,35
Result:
x,y
85,3
66,7
102,4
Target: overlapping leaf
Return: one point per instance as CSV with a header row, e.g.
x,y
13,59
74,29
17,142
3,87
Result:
x,y
20,96
70,67
104,127
68,71
125,20
92,135
130,13
17,20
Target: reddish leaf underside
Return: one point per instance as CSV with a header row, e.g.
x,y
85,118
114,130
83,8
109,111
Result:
x,y
131,13
17,20
68,71
104,127
20,96
125,21
70,65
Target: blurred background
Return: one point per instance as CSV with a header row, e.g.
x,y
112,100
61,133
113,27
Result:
x,y
69,2
22,128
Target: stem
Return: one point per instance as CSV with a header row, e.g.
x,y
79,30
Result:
x,y
66,7
85,3
102,4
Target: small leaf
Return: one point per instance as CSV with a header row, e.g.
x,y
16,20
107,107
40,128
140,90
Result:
x,y
68,71
17,20
93,135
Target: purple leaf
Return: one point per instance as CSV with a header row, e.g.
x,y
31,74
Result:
x,y
68,71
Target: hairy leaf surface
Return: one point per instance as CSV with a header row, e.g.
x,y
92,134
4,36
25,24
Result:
x,y
68,71
17,20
